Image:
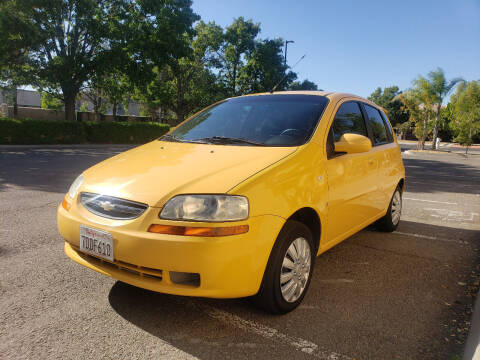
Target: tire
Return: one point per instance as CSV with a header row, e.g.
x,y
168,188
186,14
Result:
x,y
390,221
283,286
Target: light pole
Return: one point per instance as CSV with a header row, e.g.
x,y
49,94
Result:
x,y
286,46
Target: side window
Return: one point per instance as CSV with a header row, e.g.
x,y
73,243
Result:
x,y
377,125
388,126
348,119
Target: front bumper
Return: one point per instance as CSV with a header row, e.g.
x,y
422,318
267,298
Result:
x,y
229,266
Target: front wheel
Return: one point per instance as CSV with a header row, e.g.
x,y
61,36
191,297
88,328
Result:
x,y
289,270
391,219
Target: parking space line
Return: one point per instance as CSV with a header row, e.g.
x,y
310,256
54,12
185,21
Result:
x,y
432,237
447,183
271,333
431,201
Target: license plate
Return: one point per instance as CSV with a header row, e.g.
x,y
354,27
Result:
x,y
96,242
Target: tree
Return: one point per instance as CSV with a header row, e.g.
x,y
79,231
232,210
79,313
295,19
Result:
x,y
50,102
466,102
186,84
116,88
76,38
439,88
94,91
14,45
264,68
417,102
239,41
388,99
304,85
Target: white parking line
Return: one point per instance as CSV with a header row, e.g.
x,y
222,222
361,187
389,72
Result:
x,y
451,215
432,237
334,281
431,201
271,333
449,183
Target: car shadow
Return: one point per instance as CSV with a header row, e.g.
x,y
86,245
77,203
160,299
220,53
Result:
x,y
375,295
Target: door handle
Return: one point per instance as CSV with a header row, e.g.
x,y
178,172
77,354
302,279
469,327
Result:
x,y
370,162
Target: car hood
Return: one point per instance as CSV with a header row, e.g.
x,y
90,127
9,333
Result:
x,y
156,171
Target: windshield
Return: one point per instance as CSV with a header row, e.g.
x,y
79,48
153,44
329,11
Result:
x,y
261,120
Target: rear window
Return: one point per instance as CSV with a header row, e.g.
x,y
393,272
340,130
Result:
x,y
269,120
377,125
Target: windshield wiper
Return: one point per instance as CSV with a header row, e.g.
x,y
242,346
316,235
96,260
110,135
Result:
x,y
174,138
229,140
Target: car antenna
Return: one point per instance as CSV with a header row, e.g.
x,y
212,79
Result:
x,y
286,74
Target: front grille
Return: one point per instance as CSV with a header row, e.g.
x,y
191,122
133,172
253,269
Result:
x,y
141,271
112,207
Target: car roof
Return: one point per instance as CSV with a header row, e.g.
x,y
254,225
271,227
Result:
x,y
332,95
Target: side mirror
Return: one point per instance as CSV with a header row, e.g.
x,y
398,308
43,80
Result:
x,y
353,144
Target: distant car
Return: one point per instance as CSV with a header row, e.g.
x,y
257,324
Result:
x,y
239,199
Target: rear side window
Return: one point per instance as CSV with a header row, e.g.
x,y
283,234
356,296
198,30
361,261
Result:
x,y
348,119
388,126
377,125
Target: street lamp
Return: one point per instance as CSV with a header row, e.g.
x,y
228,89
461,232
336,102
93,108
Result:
x,y
286,45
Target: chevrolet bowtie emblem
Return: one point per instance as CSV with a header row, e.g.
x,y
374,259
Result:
x,y
107,205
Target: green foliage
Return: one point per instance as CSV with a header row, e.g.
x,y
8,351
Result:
x,y
304,85
68,132
404,127
185,85
70,41
466,117
238,41
40,132
388,99
418,104
264,68
51,102
123,132
83,107
435,87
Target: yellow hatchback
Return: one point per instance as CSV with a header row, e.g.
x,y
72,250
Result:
x,y
240,198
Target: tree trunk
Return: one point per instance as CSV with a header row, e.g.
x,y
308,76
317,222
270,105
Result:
x,y
234,80
15,103
424,134
114,111
70,99
435,128
180,106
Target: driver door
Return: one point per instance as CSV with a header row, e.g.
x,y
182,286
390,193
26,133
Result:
x,y
352,178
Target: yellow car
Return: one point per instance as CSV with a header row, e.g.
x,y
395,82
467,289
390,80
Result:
x,y
239,199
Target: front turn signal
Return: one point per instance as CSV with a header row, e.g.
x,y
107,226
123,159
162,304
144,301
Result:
x,y
66,204
198,231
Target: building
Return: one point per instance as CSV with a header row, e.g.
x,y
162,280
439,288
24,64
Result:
x,y
33,99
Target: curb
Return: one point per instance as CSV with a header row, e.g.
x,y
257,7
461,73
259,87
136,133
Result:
x,y
438,152
63,146
472,347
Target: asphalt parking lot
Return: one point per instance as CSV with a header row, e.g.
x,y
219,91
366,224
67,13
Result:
x,y
405,295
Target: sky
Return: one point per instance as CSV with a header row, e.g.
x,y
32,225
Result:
x,y
356,46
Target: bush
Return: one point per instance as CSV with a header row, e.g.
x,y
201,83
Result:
x,y
33,132
123,132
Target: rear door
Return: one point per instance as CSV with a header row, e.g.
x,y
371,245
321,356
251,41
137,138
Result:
x,y
385,151
352,178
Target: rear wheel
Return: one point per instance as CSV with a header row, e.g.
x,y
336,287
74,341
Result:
x,y
289,270
391,219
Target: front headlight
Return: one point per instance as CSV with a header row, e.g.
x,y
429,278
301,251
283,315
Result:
x,y
75,186
206,208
